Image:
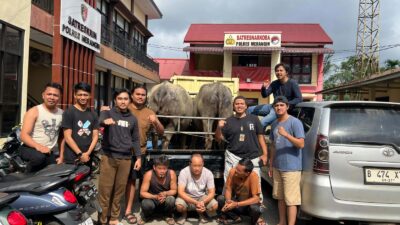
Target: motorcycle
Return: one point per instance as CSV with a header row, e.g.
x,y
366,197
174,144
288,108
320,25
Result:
x,y
44,200
8,215
78,181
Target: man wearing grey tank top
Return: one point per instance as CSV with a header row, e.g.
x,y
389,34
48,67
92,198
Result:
x,y
40,130
158,189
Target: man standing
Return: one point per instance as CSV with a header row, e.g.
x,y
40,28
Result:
x,y
146,119
158,190
287,139
283,86
245,138
196,190
121,136
40,130
81,127
242,195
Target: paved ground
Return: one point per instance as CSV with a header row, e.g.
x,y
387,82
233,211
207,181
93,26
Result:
x,y
270,215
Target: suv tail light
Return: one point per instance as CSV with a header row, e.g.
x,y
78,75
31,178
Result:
x,y
16,218
69,197
321,155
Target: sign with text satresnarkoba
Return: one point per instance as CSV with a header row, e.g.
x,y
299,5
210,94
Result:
x,y
81,23
252,40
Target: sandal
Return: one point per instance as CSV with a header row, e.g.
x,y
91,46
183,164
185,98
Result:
x,y
221,219
181,220
130,218
203,219
261,221
170,220
232,221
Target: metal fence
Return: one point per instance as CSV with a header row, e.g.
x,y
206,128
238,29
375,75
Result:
x,y
126,47
46,5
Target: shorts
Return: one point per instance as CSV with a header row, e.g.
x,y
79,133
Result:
x,y
138,174
192,207
287,186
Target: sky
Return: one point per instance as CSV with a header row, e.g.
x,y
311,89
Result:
x,y
337,17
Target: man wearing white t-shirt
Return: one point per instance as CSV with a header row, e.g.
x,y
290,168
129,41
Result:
x,y
196,190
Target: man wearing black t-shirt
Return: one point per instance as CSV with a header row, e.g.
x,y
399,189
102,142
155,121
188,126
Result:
x,y
245,138
81,127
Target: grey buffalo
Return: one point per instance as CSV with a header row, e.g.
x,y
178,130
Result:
x,y
213,100
171,100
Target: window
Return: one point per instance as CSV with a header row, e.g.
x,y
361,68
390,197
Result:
x,y
249,61
378,124
121,25
138,40
100,90
300,67
306,116
11,46
102,7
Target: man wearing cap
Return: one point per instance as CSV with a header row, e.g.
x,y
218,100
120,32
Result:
x,y
283,86
287,137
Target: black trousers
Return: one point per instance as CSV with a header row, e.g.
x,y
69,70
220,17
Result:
x,y
254,211
151,206
35,159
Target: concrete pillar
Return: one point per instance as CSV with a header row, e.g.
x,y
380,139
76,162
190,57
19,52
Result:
x,y
227,64
275,59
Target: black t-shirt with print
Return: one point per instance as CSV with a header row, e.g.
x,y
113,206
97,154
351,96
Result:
x,y
82,124
242,136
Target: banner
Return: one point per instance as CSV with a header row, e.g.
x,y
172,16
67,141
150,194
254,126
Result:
x,y
81,23
265,39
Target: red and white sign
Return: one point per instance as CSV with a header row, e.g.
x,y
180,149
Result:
x,y
81,23
265,39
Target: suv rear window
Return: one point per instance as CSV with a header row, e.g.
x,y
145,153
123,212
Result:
x,y
361,124
306,116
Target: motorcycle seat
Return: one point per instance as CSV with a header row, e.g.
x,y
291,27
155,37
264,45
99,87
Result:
x,y
6,198
33,185
59,170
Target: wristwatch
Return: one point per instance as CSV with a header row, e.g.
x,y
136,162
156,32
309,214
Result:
x,y
79,155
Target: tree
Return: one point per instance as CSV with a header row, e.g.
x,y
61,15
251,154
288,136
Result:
x,y
392,64
342,74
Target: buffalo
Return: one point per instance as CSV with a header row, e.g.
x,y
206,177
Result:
x,y
171,100
213,100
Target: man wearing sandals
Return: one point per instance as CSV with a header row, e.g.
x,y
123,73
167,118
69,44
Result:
x,y
242,195
287,137
196,190
157,191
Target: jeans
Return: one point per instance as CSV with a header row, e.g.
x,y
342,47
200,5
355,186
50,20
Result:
x,y
151,206
266,110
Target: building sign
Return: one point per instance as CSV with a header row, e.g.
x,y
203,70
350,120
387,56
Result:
x,y
252,39
81,23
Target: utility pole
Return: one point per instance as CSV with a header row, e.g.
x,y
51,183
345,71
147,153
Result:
x,y
367,46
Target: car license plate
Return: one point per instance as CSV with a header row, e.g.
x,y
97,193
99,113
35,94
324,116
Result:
x,y
382,176
88,221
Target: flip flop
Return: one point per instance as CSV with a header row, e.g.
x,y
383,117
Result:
x,y
170,220
181,220
130,218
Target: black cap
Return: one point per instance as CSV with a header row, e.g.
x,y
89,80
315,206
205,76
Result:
x,y
281,99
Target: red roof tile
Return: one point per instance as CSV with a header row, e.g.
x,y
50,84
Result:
x,y
291,33
170,67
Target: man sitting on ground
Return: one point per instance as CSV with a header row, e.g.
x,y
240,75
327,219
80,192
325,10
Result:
x,y
158,190
242,195
196,190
